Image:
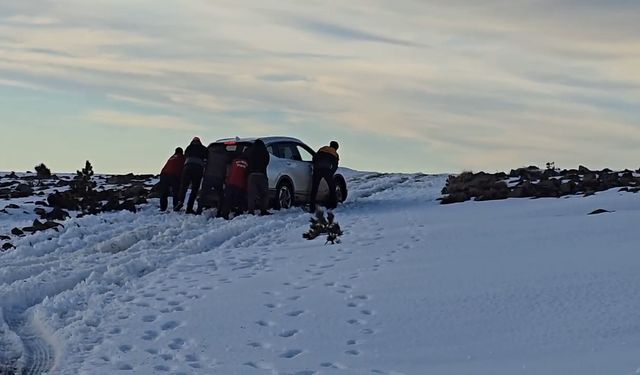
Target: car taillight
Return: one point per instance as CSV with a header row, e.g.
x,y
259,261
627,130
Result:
x,y
230,143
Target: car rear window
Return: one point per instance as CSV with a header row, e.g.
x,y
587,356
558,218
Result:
x,y
236,147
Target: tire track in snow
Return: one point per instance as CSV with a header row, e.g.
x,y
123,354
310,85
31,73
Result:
x,y
156,244
119,246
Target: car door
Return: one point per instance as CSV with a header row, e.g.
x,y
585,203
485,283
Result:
x,y
277,165
298,169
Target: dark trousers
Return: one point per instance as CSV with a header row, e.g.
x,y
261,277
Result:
x,y
169,184
234,199
191,177
327,175
258,190
211,186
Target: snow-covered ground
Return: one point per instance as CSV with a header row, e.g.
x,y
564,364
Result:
x,y
515,286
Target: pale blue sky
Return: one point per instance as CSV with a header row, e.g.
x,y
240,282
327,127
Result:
x,y
407,85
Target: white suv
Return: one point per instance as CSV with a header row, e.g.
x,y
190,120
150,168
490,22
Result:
x,y
290,170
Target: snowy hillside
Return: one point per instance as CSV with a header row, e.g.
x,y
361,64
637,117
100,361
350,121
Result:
x,y
517,286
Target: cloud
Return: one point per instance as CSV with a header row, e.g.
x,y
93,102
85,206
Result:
x,y
497,78
138,120
345,33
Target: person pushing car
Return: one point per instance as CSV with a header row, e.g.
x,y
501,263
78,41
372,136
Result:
x,y
325,165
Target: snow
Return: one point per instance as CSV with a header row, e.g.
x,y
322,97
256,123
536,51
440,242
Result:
x,y
527,286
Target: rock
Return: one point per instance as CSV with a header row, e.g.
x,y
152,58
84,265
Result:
x,y
41,203
140,200
128,205
455,198
56,214
4,238
121,179
17,232
599,211
590,181
23,189
155,191
549,173
135,191
12,206
4,211
64,201
7,246
609,180
567,188
583,170
39,211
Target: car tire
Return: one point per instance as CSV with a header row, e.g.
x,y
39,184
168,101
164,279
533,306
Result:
x,y
341,190
284,196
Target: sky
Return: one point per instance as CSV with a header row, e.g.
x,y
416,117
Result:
x,y
404,85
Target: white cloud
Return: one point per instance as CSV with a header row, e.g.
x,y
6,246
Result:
x,y
138,120
472,80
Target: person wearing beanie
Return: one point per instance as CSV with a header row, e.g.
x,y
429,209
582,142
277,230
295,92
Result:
x,y
195,158
325,165
170,179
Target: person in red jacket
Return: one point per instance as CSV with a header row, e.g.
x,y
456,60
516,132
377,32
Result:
x,y
236,186
170,179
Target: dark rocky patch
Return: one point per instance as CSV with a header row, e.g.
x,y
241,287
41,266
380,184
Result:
x,y
533,182
7,246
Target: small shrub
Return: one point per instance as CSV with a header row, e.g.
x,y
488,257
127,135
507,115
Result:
x,y
42,171
83,183
321,225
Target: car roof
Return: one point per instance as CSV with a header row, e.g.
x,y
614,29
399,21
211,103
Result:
x,y
266,140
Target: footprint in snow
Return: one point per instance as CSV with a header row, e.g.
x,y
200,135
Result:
x,y
289,333
289,354
264,323
149,318
177,344
149,335
260,365
356,322
172,324
295,313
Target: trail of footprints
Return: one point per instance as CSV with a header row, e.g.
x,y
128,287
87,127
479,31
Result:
x,y
284,308
161,322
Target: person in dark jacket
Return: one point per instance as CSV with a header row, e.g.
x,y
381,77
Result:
x,y
215,173
325,165
236,186
195,158
170,179
257,182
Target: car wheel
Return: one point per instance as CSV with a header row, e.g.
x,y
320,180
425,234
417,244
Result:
x,y
341,190
284,196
